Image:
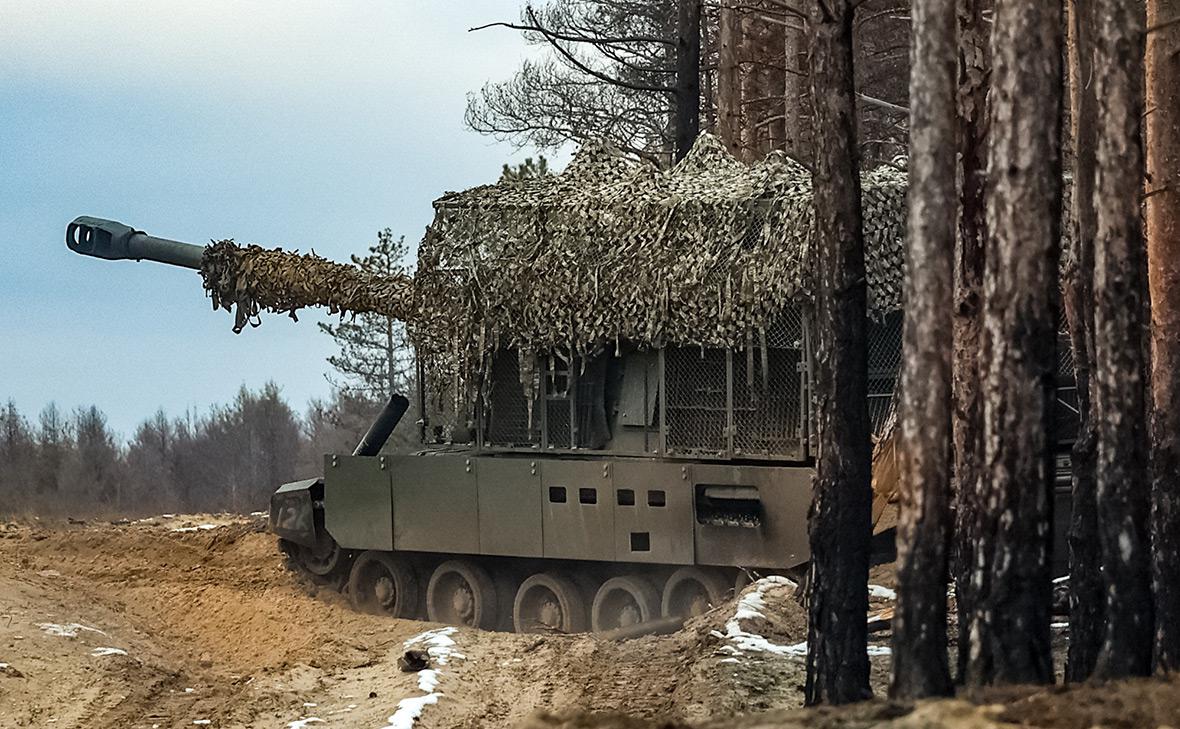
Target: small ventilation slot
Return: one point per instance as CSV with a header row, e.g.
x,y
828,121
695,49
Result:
x,y
640,541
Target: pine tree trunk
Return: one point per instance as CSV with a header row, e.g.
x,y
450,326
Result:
x,y
1086,592
1010,628
797,105
688,76
729,97
839,524
1163,241
1119,326
970,253
919,627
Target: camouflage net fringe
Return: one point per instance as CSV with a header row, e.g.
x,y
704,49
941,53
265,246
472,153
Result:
x,y
246,280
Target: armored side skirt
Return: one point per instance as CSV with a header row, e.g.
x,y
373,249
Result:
x,y
595,509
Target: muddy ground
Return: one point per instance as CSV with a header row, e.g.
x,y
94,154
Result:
x,y
189,622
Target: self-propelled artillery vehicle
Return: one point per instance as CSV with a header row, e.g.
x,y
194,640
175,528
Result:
x,y
613,391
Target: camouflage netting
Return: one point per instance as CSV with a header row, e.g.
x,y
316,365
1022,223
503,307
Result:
x,y
708,253
250,279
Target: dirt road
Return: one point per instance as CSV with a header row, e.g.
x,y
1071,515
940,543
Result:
x,y
195,621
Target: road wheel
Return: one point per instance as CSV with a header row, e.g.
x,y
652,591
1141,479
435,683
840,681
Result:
x,y
622,602
324,558
691,591
462,593
382,585
549,603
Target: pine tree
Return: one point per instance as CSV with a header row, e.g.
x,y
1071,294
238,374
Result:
x,y
970,256
1163,229
1120,307
1010,641
375,357
919,638
840,522
527,170
1086,592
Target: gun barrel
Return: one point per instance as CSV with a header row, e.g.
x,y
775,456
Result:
x,y
114,241
382,427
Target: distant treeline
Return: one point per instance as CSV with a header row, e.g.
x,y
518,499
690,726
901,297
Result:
x,y
231,458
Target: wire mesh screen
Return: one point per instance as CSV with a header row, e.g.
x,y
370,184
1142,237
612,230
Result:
x,y
1065,409
557,422
445,411
884,347
767,396
508,421
695,382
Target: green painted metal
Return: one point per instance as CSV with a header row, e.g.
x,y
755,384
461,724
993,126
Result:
x,y
653,499
578,516
358,501
510,507
435,507
780,537
114,241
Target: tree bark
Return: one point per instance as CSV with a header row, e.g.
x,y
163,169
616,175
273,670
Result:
x,y
796,101
840,523
1009,639
1119,308
1086,592
729,96
970,253
688,76
919,626
1163,253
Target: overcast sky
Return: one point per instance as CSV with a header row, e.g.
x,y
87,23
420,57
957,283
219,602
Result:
x,y
301,124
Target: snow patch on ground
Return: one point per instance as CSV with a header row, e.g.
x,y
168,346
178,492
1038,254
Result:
x,y
751,606
199,527
104,651
302,723
882,592
68,630
441,648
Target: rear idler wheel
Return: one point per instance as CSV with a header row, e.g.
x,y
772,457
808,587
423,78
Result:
x,y
462,593
691,591
624,602
549,603
380,584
